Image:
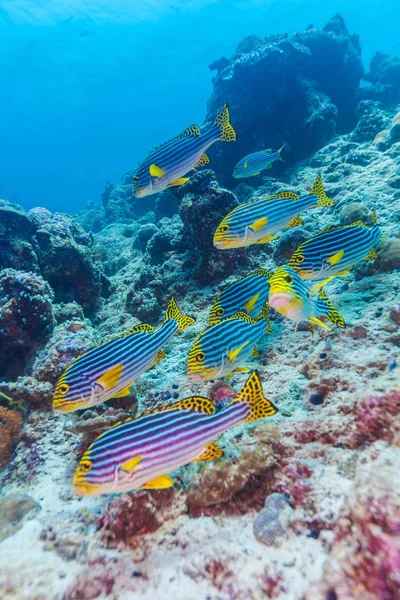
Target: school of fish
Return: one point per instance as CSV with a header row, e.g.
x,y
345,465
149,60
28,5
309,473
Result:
x,y
140,452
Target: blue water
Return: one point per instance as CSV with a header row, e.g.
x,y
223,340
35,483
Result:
x,y
88,86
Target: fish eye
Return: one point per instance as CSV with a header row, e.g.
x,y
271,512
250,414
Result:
x,y
63,389
135,178
200,356
85,466
219,312
299,258
224,229
289,279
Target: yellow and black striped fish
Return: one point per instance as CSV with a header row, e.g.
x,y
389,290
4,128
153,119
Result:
x,y
166,165
107,371
249,294
224,348
335,250
139,452
290,296
256,222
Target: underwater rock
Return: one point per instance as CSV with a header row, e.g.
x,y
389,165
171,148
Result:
x,y
320,69
26,318
272,522
10,425
14,510
169,237
388,251
144,234
65,258
196,184
70,311
16,227
288,242
384,74
91,220
355,211
371,120
116,203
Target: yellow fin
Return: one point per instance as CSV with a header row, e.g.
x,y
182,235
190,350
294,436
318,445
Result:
x,y
246,164
259,224
260,271
285,196
228,134
156,171
131,464
255,352
333,314
203,160
319,191
249,306
321,284
211,452
267,238
124,392
194,404
233,354
335,258
192,130
161,354
162,482
372,255
179,181
253,395
110,377
241,370
319,322
142,327
173,312
295,222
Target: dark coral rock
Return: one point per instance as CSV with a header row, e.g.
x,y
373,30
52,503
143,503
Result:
x,y
197,183
26,318
201,214
65,258
92,220
142,304
170,237
384,74
272,522
288,243
294,89
145,234
116,203
372,119
16,251
166,205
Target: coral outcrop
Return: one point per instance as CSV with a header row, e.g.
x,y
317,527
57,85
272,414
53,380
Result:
x,y
10,425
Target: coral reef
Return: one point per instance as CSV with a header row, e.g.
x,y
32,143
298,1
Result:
x,y
272,522
14,509
10,425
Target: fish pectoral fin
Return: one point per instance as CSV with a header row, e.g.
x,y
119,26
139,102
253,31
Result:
x,y
344,272
321,284
162,482
233,354
255,352
192,130
295,222
142,328
203,160
246,164
211,452
267,238
316,321
110,377
249,306
125,392
259,224
131,464
241,370
161,354
372,255
193,404
179,181
156,171
335,258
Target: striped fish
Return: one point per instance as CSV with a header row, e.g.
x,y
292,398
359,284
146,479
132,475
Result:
x,y
223,348
334,251
255,222
139,452
254,163
249,295
167,164
107,371
290,296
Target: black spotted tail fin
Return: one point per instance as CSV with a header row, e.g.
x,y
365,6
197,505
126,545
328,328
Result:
x,y
228,134
319,191
174,313
253,395
331,312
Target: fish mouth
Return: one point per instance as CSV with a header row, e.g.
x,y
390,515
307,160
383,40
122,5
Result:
x,y
196,377
141,192
279,299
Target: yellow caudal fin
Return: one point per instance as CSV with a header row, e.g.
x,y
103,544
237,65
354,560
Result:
x,y
319,191
228,134
253,395
331,312
173,312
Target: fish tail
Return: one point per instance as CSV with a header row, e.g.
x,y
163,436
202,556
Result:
x,y
227,133
174,313
319,191
332,313
279,153
252,394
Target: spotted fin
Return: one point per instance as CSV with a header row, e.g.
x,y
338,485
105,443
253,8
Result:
x,y
295,222
249,306
252,395
259,224
142,327
110,377
173,312
285,196
131,464
192,130
228,134
125,392
255,352
161,354
262,272
333,314
156,171
372,255
242,316
179,181
159,483
319,191
194,404
335,258
211,452
264,314
203,160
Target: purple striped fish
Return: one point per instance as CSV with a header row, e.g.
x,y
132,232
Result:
x,y
140,451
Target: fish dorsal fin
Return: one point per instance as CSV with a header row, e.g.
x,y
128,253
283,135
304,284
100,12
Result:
x,y
252,394
192,130
193,404
267,151
284,196
156,171
142,328
261,272
242,316
295,222
111,377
